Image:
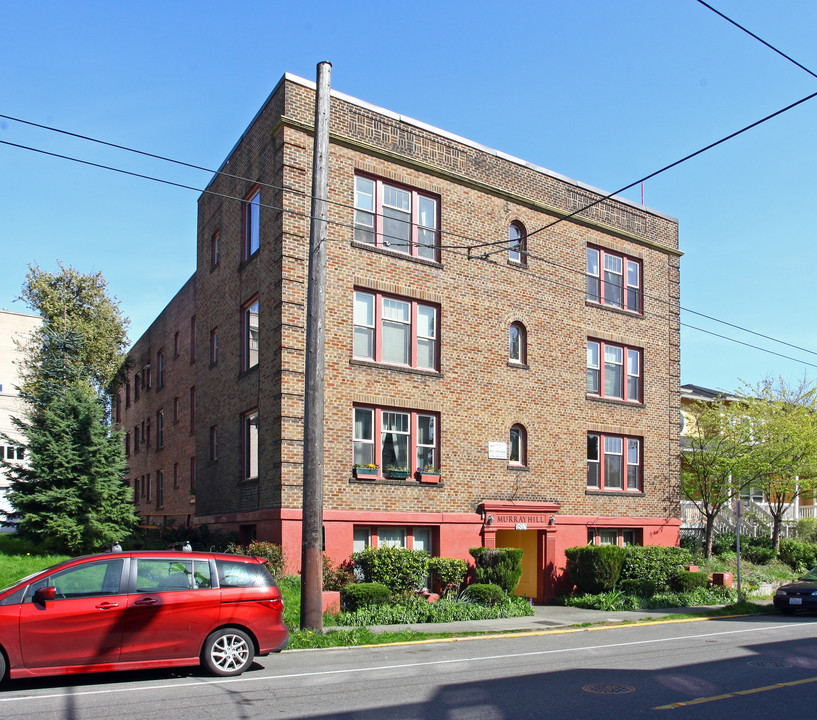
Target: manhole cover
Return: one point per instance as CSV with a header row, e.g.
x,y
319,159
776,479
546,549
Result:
x,y
608,689
769,664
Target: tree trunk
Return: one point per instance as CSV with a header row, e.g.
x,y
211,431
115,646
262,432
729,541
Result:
x,y
709,532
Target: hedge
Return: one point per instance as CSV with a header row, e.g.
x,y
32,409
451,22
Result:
x,y
360,595
399,569
484,594
498,566
685,581
448,572
656,563
594,568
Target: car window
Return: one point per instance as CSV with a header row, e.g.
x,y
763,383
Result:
x,y
810,575
243,574
87,580
167,575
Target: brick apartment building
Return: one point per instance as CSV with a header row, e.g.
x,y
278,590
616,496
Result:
x,y
537,372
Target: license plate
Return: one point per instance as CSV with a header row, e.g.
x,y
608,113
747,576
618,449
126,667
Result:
x,y
795,601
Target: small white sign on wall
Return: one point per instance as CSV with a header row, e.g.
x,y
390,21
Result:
x,y
498,450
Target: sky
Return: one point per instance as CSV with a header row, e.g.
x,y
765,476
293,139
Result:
x,y
602,92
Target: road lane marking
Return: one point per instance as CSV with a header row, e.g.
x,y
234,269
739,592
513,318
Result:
x,y
725,696
396,666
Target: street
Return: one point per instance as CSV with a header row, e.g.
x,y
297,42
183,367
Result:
x,y
741,667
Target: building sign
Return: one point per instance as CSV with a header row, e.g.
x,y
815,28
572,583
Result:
x,y
520,522
498,451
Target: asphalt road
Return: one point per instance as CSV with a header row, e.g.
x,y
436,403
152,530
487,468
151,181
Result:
x,y
753,667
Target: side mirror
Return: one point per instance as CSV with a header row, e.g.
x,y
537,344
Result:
x,y
45,593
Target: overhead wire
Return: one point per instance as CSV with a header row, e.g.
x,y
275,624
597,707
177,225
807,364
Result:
x,y
400,241
450,249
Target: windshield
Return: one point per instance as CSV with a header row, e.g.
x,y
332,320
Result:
x,y
810,575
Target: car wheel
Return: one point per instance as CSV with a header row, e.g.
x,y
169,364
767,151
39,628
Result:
x,y
2,666
228,651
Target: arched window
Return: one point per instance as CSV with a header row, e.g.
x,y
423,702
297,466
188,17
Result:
x,y
516,243
517,343
518,446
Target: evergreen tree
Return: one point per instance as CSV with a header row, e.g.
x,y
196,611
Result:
x,y
71,495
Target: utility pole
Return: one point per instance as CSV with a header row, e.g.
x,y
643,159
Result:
x,y
312,524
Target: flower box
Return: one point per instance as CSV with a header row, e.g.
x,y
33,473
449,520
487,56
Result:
x,y
397,474
427,476
365,472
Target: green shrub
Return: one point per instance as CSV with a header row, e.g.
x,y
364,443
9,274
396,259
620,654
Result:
x,y
399,569
799,555
273,555
639,588
758,550
655,562
686,581
807,529
412,609
594,568
336,577
693,543
448,572
723,543
498,566
483,594
360,595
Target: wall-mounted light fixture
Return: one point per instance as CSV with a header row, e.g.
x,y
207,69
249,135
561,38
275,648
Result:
x,y
490,520
552,520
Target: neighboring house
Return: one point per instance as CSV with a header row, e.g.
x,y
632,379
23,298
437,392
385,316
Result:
x,y
753,501
13,326
536,373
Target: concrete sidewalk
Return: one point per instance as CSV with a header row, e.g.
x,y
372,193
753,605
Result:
x,y
545,617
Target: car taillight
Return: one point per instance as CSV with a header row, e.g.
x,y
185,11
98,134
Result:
x,y
275,604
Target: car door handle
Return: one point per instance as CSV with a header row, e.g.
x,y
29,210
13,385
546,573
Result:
x,y
107,606
146,601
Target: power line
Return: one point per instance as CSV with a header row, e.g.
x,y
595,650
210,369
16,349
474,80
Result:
x,y
756,37
755,347
400,241
662,170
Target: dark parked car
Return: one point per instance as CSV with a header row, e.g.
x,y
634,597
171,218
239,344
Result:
x,y
800,595
137,610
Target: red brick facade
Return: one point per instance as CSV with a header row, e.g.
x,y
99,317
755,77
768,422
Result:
x,y
474,393
156,415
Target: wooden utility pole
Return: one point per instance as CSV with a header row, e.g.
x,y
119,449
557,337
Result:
x,y
311,545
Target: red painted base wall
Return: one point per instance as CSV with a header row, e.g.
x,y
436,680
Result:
x,y
454,534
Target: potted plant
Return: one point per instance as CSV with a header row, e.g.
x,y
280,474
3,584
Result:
x,y
367,471
428,474
395,472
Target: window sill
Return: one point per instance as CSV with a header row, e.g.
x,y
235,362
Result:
x,y
519,468
397,368
410,481
246,261
518,264
613,308
616,493
516,365
395,254
615,401
248,371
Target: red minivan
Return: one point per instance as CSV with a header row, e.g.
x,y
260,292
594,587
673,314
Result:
x,y
137,610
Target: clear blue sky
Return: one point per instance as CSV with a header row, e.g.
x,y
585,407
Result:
x,y
603,92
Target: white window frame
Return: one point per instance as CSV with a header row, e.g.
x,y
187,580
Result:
x,y
373,320
628,269
377,202
369,448
599,361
